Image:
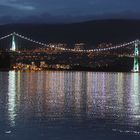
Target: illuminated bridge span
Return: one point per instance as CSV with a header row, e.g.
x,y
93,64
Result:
x,y
134,44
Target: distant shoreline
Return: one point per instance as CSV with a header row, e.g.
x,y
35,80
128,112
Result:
x,y
74,70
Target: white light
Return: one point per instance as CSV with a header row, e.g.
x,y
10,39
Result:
x,y
12,97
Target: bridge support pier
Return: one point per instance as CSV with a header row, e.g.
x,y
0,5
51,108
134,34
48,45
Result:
x,y
13,48
136,61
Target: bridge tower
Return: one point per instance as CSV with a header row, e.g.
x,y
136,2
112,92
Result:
x,y
13,48
136,55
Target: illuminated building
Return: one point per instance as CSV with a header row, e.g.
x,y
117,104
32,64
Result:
x,y
79,46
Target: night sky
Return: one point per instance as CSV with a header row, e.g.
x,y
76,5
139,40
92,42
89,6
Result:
x,y
66,10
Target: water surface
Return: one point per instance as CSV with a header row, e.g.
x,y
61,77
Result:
x,y
69,105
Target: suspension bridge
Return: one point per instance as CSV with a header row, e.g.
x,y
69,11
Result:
x,y
133,44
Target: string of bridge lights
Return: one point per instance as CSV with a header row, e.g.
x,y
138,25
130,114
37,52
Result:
x,y
71,50
6,36
74,50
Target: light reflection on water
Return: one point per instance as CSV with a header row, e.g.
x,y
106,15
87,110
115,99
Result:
x,y
76,100
12,98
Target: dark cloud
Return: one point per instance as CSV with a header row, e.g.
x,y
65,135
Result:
x,y
17,4
60,9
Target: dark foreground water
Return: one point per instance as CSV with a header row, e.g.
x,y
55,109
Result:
x,y
69,106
